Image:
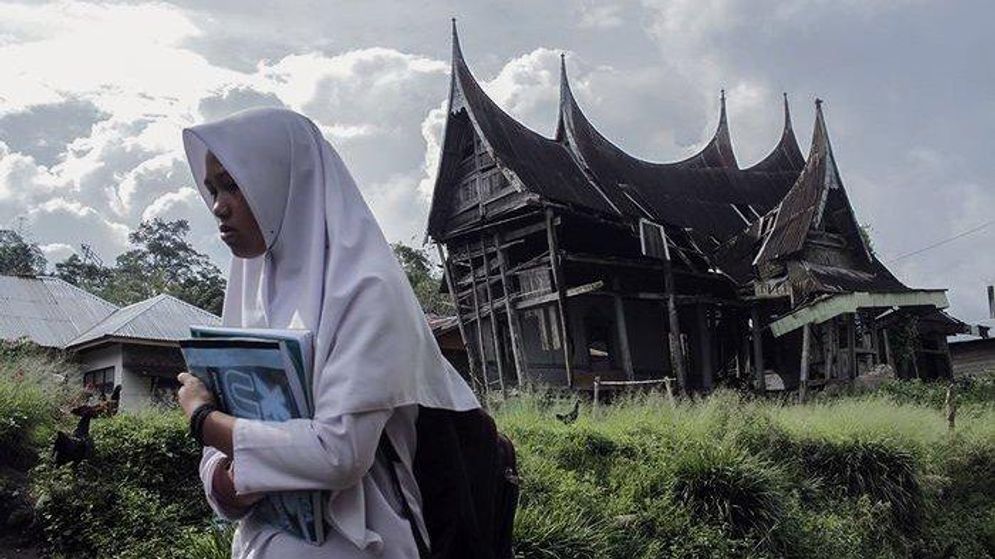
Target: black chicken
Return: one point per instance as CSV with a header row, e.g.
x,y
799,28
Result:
x,y
72,449
568,418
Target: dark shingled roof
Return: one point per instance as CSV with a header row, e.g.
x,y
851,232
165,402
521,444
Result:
x,y
705,192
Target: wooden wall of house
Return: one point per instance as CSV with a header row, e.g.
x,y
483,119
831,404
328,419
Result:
x,y
973,358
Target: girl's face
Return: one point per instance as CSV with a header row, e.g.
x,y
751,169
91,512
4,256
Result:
x,y
237,226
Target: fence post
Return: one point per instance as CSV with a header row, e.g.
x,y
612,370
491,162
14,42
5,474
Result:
x,y
951,407
597,388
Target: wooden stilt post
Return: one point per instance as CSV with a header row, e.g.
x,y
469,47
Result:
x,y
676,349
561,294
758,350
705,343
517,350
597,390
851,343
889,359
803,370
623,332
495,338
743,358
480,327
951,407
451,284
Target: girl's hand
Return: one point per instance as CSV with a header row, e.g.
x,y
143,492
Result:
x,y
192,394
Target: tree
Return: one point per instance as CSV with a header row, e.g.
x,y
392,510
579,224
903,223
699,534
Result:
x,y
19,257
423,277
161,260
90,276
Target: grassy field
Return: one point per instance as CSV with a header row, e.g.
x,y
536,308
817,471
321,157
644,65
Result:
x,y
874,474
859,476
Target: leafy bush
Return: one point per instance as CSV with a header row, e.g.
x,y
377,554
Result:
x,y
132,498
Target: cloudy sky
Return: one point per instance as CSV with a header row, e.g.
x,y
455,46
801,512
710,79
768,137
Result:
x,y
93,96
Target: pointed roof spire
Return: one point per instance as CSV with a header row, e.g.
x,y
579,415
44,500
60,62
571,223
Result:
x,y
787,113
719,152
820,135
561,130
457,51
786,155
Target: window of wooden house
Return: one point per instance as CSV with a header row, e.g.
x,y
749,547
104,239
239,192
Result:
x,y
100,381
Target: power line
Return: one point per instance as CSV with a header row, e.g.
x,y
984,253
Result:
x,y
944,241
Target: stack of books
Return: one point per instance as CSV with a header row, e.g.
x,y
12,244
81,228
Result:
x,y
263,374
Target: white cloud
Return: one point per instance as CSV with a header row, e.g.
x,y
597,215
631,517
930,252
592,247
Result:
x,y
186,198
56,252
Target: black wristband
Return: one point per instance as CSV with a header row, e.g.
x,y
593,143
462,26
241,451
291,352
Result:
x,y
197,421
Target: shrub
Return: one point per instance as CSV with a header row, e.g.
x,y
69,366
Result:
x,y
133,497
726,487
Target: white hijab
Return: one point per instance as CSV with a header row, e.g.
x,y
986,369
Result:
x,y
327,268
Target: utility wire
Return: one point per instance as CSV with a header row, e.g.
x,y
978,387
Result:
x,y
943,242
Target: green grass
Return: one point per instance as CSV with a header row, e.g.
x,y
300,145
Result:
x,y
32,391
858,476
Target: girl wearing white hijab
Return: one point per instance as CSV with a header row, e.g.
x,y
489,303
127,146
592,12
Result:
x,y
308,253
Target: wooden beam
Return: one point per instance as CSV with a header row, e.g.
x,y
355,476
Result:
x,y
633,263
550,297
561,292
758,350
825,308
517,349
495,338
448,276
803,374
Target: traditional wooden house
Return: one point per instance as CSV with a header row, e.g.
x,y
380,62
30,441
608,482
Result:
x,y
569,259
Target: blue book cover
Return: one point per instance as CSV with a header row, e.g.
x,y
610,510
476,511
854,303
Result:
x,y
263,379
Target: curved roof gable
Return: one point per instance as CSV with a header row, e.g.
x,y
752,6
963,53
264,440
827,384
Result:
x,y
818,189
539,164
713,200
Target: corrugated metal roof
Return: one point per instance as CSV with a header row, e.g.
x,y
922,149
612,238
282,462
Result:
x,y
161,318
47,310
